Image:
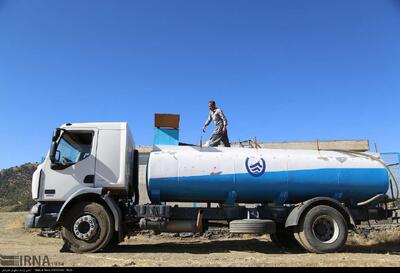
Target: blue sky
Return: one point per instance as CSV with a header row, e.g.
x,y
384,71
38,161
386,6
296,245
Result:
x,y
281,70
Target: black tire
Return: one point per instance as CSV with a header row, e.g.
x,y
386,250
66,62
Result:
x,y
252,226
114,240
284,238
100,233
322,229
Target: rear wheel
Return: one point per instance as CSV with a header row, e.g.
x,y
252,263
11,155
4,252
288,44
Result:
x,y
322,229
87,227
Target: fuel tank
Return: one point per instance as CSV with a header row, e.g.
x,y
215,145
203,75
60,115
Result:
x,y
248,175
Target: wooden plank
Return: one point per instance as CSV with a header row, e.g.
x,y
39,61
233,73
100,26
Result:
x,y
144,149
343,145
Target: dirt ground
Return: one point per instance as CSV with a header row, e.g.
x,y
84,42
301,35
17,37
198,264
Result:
x,y
370,249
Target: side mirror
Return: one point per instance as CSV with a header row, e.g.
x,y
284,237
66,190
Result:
x,y
56,134
53,151
53,147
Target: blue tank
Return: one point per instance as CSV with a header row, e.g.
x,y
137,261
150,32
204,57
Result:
x,y
240,175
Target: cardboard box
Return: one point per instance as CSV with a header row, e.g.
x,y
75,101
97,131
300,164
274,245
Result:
x,y
166,121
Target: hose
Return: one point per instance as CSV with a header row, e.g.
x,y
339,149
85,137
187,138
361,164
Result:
x,y
375,198
392,178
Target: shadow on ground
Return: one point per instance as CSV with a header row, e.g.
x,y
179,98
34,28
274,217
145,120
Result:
x,y
251,245
220,246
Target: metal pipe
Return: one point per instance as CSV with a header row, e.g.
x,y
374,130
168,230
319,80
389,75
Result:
x,y
199,222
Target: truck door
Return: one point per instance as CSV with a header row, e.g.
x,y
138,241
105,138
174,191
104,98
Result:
x,y
75,165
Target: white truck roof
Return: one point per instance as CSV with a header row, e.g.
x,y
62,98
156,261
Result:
x,y
98,125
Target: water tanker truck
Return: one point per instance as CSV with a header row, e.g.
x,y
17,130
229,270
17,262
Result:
x,y
88,187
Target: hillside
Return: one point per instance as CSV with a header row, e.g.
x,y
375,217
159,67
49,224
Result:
x,y
15,187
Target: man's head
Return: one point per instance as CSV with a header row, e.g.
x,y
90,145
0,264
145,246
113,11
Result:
x,y
211,105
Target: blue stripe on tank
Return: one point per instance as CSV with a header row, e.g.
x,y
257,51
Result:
x,y
345,184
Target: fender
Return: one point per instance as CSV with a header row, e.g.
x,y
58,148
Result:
x,y
294,216
116,211
96,191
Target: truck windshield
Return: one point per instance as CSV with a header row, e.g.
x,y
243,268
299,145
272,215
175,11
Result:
x,y
74,147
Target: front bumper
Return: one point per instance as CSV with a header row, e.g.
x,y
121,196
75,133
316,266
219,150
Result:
x,y
43,215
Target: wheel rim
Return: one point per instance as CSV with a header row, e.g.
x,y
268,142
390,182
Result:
x,y
85,227
325,229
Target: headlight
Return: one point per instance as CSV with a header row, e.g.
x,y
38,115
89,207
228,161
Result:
x,y
35,209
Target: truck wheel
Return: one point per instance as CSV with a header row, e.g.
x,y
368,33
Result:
x,y
114,240
322,230
87,227
284,238
256,226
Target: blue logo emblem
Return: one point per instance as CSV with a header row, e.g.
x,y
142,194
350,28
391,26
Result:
x,y
255,166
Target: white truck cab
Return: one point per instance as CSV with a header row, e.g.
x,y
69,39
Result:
x,y
86,162
85,155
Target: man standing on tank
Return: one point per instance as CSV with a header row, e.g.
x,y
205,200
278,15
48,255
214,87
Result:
x,y
220,133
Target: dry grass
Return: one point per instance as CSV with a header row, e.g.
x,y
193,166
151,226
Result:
x,y
8,208
16,223
388,235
